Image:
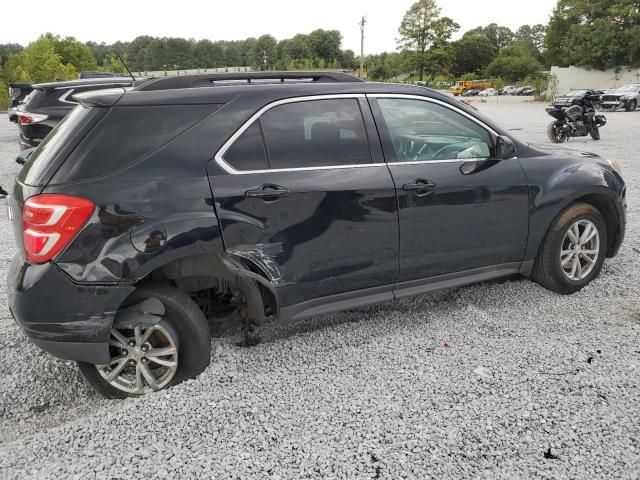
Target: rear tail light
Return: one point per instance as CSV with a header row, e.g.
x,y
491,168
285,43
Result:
x,y
50,222
26,118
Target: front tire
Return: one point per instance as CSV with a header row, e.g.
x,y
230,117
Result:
x,y
148,358
594,132
556,135
573,250
631,106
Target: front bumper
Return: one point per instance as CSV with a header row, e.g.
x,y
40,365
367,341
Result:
x,y
69,321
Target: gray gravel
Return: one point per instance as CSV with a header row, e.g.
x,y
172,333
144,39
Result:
x,y
391,391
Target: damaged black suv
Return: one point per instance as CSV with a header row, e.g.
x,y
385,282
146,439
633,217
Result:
x,y
149,211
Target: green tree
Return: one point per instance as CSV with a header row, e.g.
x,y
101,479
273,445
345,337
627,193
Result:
x,y
232,54
137,53
38,63
422,28
594,34
8,49
74,53
514,63
111,63
325,44
472,54
266,50
208,54
531,38
498,35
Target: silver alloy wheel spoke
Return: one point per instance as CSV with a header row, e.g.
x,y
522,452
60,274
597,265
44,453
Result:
x,y
160,361
122,363
122,341
160,352
580,249
143,359
148,376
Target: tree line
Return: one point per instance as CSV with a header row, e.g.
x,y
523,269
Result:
x,y
589,33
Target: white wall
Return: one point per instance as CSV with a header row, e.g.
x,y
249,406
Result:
x,y
169,73
572,78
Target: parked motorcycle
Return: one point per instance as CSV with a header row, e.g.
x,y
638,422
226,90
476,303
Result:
x,y
575,116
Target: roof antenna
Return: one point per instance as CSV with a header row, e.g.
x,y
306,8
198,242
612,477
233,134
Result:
x,y
125,64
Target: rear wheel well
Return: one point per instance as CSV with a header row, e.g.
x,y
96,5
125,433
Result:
x,y
218,292
607,208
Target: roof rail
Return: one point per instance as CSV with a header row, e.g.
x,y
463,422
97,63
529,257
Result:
x,y
211,79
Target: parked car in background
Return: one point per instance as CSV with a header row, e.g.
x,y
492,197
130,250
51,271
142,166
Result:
x,y
471,93
151,209
627,97
17,94
525,91
49,103
508,90
575,97
489,92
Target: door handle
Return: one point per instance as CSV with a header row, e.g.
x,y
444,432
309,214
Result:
x,y
267,192
421,186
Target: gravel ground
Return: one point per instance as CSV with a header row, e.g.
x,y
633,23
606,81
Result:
x,y
391,391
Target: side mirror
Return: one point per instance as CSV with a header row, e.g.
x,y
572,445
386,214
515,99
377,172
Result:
x,y
505,148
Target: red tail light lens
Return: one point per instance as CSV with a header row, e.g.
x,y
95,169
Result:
x,y
49,223
27,118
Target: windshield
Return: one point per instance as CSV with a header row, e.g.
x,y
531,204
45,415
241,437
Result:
x,y
577,93
34,170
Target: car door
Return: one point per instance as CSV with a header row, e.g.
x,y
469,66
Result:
x,y
460,209
302,192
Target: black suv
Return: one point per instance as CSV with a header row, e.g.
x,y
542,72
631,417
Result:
x,y
49,103
265,196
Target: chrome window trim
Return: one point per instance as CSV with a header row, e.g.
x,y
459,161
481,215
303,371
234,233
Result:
x,y
63,97
219,156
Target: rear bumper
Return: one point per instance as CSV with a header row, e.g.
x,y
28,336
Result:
x,y
69,321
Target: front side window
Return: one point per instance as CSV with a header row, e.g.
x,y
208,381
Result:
x,y
423,130
316,133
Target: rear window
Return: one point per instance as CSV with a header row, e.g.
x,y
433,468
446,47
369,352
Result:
x,y
126,135
37,168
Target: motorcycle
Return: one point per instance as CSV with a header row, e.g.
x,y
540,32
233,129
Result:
x,y
575,117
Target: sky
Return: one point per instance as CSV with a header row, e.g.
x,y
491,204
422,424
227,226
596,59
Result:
x,y
239,19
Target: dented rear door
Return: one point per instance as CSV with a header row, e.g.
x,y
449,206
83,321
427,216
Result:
x,y
303,194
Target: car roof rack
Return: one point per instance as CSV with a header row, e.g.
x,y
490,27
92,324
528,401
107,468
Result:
x,y
213,79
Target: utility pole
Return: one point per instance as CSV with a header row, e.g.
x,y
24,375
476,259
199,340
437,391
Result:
x,y
264,58
362,23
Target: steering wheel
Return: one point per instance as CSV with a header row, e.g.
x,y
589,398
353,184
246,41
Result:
x,y
424,148
436,155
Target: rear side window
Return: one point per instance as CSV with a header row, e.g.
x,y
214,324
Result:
x,y
247,152
318,133
309,134
126,135
35,171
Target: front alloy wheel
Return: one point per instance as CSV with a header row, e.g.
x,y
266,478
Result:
x,y
573,250
143,359
580,250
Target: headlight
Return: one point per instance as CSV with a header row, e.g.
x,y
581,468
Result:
x,y
615,165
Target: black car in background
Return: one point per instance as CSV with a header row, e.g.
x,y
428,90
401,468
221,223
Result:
x,y
17,93
267,196
49,103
